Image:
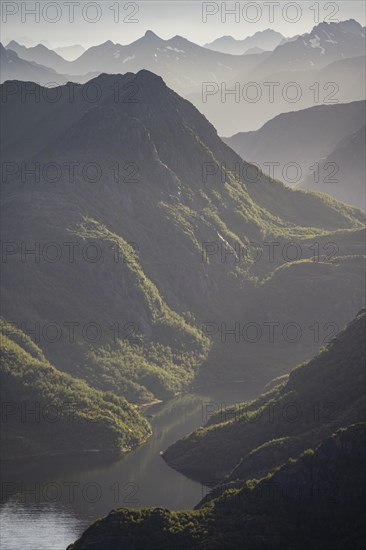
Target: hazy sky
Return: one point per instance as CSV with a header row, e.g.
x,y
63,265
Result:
x,y
95,22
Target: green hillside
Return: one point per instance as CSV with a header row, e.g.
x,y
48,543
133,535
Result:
x,y
118,258
313,501
45,411
250,439
291,466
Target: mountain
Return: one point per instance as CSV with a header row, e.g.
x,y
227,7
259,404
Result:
x,y
327,42
183,64
279,140
344,170
15,68
26,41
264,40
70,52
314,501
342,81
254,50
68,415
295,76
119,213
41,55
234,91
255,438
299,481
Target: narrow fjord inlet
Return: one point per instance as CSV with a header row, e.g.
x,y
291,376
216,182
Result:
x,y
182,275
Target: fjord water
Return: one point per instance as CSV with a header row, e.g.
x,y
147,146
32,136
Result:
x,y
58,497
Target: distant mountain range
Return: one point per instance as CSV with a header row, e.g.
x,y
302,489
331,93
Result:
x,y
14,67
180,62
264,40
325,65
327,42
329,134
41,55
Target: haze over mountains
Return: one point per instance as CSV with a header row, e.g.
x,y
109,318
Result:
x,y
70,52
332,55
159,213
327,42
290,466
330,142
347,164
150,269
180,62
14,67
266,40
253,439
324,66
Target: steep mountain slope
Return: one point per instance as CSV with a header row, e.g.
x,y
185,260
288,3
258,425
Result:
x,y
251,439
48,412
346,164
157,212
314,501
279,140
266,40
301,491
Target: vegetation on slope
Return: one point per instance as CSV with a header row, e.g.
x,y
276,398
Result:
x,y
250,439
150,281
313,501
45,411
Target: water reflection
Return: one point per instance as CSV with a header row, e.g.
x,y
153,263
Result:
x,y
37,527
55,499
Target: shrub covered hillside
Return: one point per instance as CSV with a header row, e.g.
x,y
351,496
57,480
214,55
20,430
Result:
x,y
45,411
291,482
108,207
250,439
119,240
313,501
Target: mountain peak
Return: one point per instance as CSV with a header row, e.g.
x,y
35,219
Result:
x,y
13,44
108,43
266,31
151,35
350,25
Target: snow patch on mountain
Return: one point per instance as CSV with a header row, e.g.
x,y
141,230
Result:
x,y
130,58
175,49
315,43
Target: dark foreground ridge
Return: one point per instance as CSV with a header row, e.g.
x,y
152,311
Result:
x,y
308,498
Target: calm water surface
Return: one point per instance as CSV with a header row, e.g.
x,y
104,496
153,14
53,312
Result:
x,y
60,497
